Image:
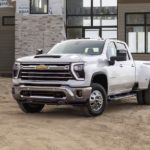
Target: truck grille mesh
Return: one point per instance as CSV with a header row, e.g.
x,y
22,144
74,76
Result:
x,y
46,72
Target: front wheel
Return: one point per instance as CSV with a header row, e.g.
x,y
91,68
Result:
x,y
31,108
97,102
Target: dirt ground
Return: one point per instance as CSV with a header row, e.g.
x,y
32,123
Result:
x,y
123,126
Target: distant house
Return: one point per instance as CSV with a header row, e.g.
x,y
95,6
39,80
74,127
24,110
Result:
x,y
27,25
134,26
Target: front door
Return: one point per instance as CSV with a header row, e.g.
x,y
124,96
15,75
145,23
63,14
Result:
x,y
114,71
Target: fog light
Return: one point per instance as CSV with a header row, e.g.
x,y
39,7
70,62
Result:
x,y
79,93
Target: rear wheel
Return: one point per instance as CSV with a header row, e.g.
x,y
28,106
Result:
x,y
97,101
140,98
146,95
143,97
31,108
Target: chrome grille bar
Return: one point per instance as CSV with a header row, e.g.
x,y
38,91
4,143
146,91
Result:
x,y
46,77
46,72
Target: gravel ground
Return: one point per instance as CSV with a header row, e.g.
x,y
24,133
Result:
x,y
123,126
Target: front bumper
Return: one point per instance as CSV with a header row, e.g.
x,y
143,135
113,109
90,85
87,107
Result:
x,y
70,95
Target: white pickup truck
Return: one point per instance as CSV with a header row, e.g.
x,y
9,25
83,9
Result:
x,y
84,72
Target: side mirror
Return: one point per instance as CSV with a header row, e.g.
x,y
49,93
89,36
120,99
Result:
x,y
121,55
112,60
39,51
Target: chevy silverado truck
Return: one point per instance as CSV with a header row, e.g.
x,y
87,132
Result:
x,y
81,72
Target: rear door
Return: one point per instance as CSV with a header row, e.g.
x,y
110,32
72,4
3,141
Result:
x,y
127,69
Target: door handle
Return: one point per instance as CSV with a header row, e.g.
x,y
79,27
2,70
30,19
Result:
x,y
121,65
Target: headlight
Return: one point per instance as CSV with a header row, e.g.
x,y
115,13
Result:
x,y
79,67
78,71
16,69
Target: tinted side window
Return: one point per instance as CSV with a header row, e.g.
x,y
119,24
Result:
x,y
111,50
121,46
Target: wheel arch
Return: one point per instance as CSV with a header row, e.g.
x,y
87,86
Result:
x,y
101,78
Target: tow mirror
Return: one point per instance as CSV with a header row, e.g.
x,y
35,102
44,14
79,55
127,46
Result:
x,y
112,60
121,55
39,51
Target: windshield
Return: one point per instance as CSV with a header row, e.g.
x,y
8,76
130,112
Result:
x,y
85,47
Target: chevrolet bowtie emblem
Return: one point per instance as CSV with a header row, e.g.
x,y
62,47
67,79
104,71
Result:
x,y
41,67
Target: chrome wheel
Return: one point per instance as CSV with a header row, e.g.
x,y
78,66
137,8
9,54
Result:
x,y
96,100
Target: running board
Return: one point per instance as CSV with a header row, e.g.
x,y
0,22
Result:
x,y
119,97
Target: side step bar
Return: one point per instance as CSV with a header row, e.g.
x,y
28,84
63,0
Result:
x,y
122,96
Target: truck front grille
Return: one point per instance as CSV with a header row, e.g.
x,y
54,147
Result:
x,y
48,72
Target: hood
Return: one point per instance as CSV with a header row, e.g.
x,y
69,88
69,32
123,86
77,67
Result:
x,y
62,58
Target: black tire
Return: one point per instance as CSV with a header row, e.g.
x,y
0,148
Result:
x,y
140,98
146,94
88,108
31,108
